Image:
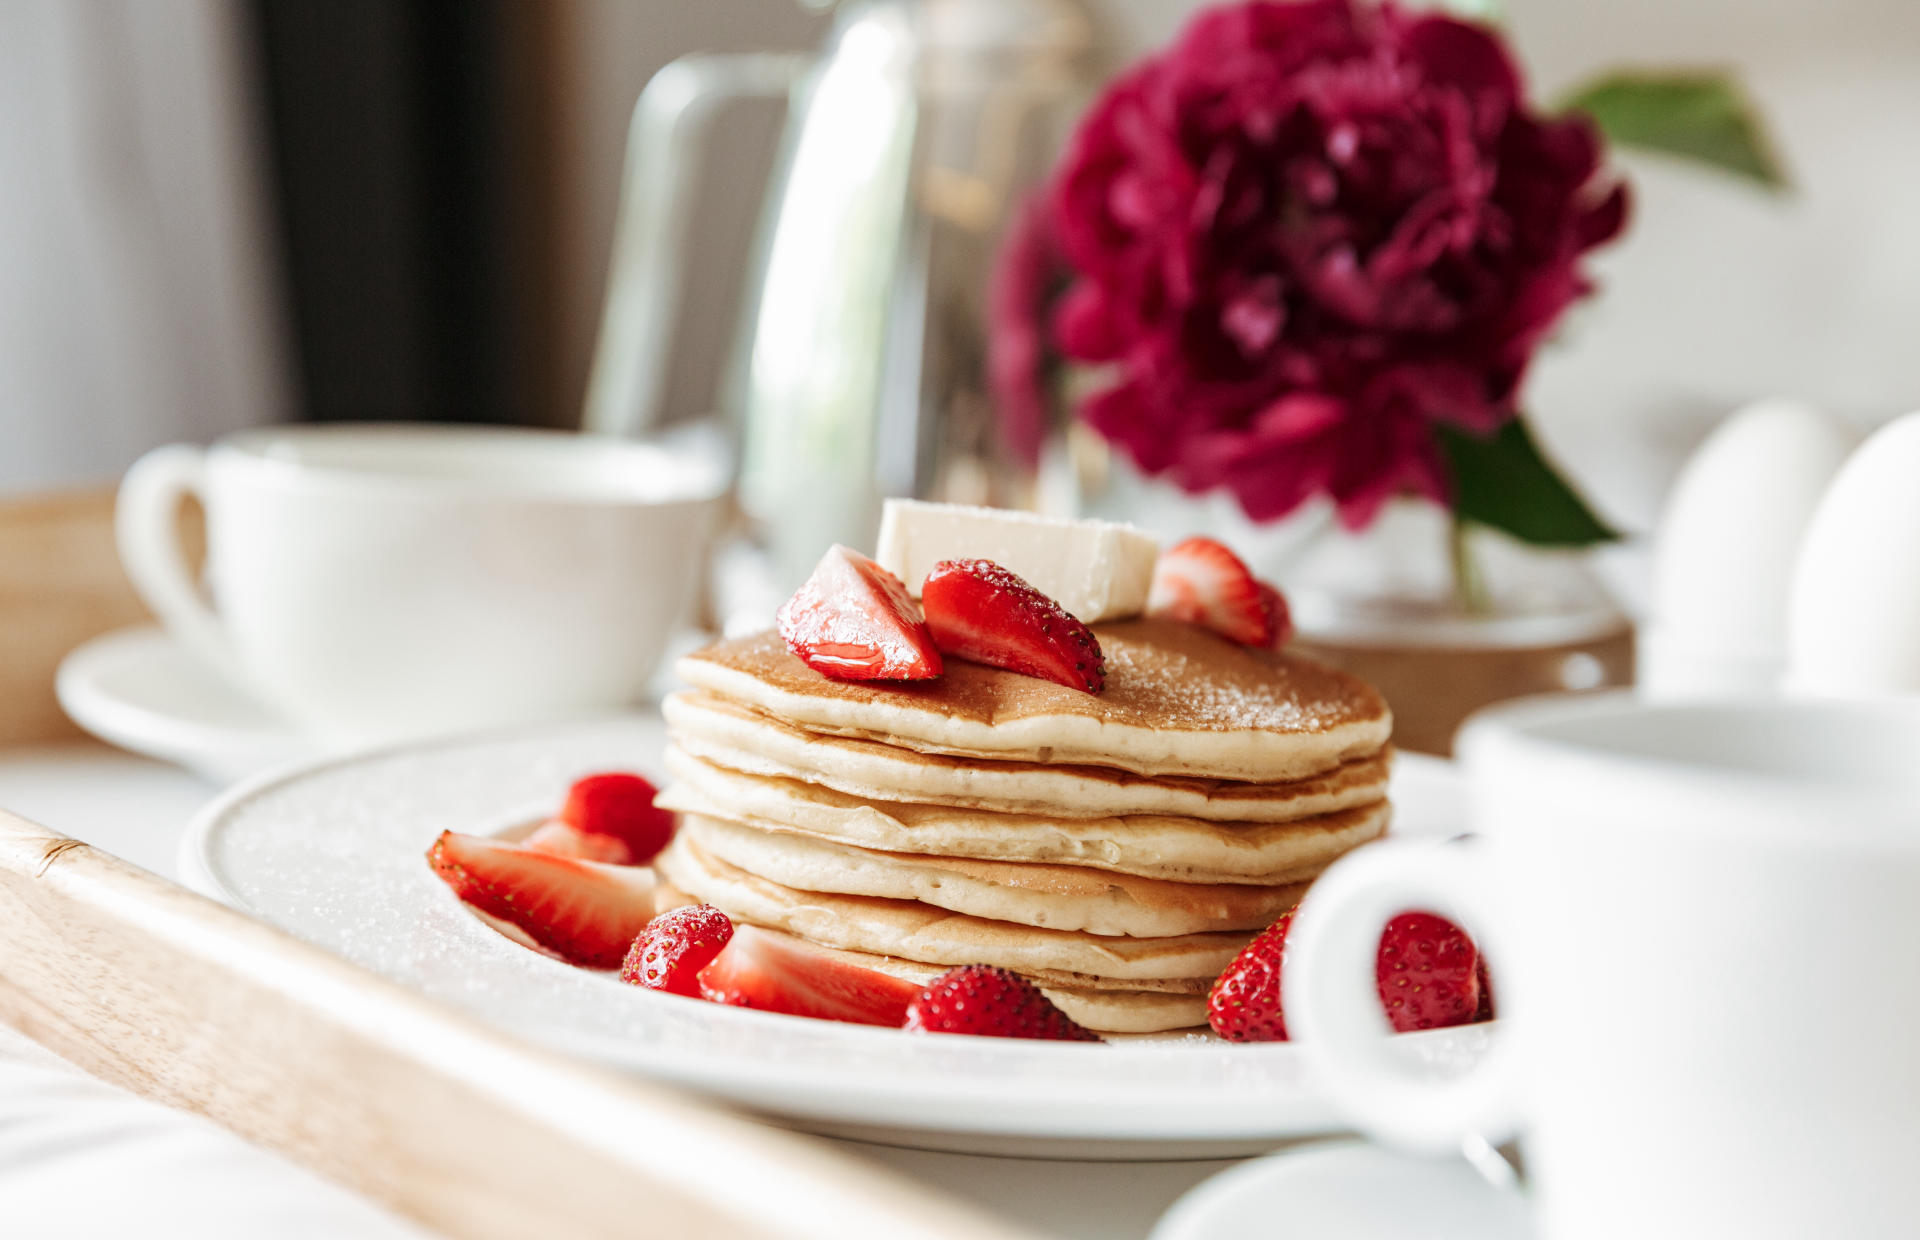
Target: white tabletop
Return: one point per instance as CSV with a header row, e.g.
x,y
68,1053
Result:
x,y
63,1134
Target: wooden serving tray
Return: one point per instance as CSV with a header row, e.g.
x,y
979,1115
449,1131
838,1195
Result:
x,y
60,584
447,1121
183,1000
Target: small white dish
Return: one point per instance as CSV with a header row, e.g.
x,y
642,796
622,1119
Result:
x,y
334,853
140,689
1351,1190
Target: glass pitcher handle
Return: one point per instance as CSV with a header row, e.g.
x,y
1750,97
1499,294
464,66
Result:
x,y
644,276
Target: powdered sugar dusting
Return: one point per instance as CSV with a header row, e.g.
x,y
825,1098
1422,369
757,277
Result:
x,y
1204,701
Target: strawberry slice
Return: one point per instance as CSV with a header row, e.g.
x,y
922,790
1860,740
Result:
x,y
675,946
1429,973
1202,582
619,805
991,1002
760,969
563,839
853,620
582,912
1276,605
1244,1004
980,611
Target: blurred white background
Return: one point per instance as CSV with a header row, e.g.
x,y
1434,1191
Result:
x,y
138,302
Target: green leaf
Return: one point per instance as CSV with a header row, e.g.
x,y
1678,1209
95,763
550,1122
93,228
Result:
x,y
1503,481
1490,12
1700,116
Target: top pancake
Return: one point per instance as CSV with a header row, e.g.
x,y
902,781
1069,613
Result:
x,y
1179,700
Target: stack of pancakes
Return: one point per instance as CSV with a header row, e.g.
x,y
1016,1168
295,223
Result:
x,y
1118,849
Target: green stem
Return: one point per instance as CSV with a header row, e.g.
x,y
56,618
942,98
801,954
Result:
x,y
1468,584
1492,12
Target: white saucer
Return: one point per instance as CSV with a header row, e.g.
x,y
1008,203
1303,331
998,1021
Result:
x,y
1350,1190
139,689
335,854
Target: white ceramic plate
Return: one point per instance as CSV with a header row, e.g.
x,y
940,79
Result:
x,y
334,853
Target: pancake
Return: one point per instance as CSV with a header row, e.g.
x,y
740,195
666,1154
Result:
x,y
910,930
1103,1011
1179,700
1053,896
730,735
1125,1012
1151,846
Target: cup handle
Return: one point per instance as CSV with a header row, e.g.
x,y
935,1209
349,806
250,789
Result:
x,y
146,523
1332,998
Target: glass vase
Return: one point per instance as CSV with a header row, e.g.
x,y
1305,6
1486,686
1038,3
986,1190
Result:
x,y
1445,622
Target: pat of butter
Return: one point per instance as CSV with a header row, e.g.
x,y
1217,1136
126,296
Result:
x,y
1097,570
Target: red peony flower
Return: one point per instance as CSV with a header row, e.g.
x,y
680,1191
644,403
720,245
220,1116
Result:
x,y
1309,233
1025,278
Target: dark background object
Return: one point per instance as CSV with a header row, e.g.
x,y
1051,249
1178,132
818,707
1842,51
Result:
x,y
400,137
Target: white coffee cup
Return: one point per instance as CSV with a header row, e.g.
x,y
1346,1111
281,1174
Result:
x,y
1700,922
381,582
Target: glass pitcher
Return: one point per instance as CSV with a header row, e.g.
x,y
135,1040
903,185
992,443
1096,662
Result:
x,y
859,369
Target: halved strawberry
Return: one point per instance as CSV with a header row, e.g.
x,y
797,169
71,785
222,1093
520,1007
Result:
x,y
771,972
619,805
1276,605
980,611
1244,1004
563,839
991,1002
675,946
586,913
1201,581
853,620
1429,973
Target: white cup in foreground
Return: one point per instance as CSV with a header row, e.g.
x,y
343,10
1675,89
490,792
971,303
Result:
x,y
1699,920
382,582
